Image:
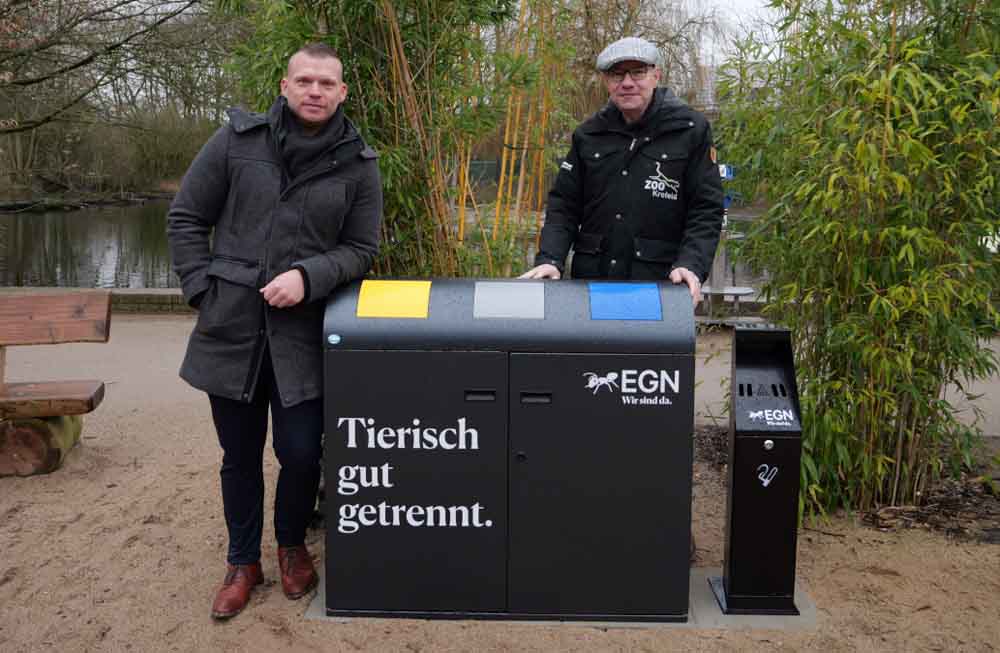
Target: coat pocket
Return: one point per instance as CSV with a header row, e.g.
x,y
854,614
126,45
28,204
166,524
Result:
x,y
230,310
587,255
241,271
652,259
599,164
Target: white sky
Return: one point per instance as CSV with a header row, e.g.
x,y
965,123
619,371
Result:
x,y
739,7
736,13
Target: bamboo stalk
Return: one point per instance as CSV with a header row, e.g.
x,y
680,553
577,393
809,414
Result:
x,y
438,175
547,74
540,155
515,130
362,103
464,158
487,243
503,169
429,145
886,126
524,172
504,158
464,155
540,170
394,76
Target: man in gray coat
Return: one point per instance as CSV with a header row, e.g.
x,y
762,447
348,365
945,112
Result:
x,y
276,211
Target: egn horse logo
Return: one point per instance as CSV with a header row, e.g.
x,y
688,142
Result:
x,y
596,381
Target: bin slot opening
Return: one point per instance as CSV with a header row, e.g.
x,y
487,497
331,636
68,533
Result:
x,y
763,387
480,395
750,389
536,397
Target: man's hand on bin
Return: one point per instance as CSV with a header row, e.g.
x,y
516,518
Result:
x,y
683,275
543,271
285,290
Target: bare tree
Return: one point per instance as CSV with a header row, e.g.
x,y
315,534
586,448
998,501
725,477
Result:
x,y
55,54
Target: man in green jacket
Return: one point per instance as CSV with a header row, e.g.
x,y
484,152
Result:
x,y
276,211
639,195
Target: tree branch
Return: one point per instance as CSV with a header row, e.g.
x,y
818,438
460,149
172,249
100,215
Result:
x,y
108,49
35,124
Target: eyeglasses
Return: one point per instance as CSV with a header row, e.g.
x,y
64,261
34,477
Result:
x,y
637,74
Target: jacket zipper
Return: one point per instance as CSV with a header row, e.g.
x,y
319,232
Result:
x,y
258,354
292,184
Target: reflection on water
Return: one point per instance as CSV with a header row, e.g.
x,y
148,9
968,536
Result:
x,y
109,247
126,247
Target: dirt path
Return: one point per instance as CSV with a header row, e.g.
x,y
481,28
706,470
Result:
x,y
122,549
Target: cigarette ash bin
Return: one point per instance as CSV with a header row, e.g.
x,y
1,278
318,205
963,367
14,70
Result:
x,y
765,442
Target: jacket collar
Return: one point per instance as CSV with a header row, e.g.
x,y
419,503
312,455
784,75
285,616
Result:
x,y
243,121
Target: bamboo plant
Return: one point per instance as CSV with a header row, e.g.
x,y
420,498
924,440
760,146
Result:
x,y
872,128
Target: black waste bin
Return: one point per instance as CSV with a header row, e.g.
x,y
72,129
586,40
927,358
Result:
x,y
509,449
765,444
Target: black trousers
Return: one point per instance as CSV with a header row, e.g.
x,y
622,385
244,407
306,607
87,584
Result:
x,y
297,435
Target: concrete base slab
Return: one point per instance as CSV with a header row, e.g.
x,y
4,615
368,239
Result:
x,y
703,611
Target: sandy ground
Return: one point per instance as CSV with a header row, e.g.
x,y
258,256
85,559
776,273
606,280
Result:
x,y
123,548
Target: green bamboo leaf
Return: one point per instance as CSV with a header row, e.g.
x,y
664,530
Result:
x,y
892,273
930,79
810,467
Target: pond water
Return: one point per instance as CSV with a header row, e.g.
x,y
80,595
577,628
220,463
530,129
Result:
x,y
106,247
121,247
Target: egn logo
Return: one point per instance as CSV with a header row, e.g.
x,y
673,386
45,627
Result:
x,y
647,382
775,417
597,382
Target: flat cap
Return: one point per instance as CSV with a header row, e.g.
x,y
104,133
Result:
x,y
630,48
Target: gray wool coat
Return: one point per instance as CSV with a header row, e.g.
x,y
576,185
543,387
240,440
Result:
x,y
238,221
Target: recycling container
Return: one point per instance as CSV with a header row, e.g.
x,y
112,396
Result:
x,y
509,449
764,451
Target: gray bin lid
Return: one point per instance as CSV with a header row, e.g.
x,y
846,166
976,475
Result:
x,y
511,315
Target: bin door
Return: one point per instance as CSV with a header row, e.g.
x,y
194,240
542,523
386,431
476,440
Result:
x,y
428,429
600,484
763,517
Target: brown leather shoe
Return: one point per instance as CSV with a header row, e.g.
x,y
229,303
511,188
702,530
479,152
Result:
x,y
298,576
234,594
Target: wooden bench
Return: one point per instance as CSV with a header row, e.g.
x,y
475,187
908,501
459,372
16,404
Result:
x,y
40,421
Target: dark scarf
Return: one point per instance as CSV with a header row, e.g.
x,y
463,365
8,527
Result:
x,y
300,151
